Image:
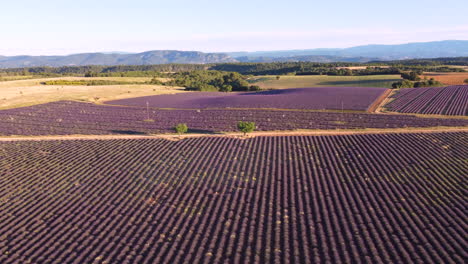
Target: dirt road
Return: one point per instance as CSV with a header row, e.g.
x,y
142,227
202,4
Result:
x,y
240,135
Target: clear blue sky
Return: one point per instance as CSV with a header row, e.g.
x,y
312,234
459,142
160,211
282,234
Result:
x,y
43,27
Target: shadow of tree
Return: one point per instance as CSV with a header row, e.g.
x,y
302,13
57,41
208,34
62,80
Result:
x,y
128,132
202,131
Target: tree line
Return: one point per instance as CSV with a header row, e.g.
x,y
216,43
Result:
x,y
273,68
413,80
454,61
243,126
210,81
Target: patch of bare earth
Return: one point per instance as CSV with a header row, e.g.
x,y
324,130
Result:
x,y
448,78
377,104
239,135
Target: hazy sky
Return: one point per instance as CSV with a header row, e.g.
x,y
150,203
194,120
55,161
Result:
x,y
44,27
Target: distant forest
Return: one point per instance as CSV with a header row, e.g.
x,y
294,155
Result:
x,y
275,68
460,61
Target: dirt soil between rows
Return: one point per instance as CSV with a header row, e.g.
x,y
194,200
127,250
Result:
x,y
240,135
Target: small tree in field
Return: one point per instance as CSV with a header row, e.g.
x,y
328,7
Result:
x,y
412,76
246,127
403,84
255,88
466,81
181,128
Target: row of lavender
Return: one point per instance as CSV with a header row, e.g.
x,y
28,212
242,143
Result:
x,y
66,117
330,98
450,100
395,198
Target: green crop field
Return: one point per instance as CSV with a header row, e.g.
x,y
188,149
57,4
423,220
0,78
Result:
x,y
270,82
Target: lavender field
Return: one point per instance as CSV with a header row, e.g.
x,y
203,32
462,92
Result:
x,y
69,117
394,198
450,100
329,98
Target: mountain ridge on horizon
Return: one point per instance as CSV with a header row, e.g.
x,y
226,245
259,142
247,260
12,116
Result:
x,y
460,46
363,53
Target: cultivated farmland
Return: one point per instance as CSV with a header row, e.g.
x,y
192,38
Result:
x,y
394,198
68,117
448,78
330,98
451,100
270,82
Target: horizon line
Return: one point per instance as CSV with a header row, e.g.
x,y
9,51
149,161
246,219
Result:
x,y
221,52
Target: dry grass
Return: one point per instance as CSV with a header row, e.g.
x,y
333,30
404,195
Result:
x,y
457,66
362,67
119,79
30,92
448,78
13,78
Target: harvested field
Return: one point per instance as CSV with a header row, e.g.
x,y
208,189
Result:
x,y
362,67
396,198
66,118
451,100
31,92
449,78
15,78
327,98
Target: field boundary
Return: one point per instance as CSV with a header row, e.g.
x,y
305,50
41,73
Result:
x,y
378,104
175,137
378,111
237,109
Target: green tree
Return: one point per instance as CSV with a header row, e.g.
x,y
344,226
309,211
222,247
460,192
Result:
x,y
403,84
210,81
246,127
412,76
91,74
225,88
428,83
254,88
155,81
466,81
181,128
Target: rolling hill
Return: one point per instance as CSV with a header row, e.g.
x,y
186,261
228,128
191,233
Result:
x,y
436,49
144,58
